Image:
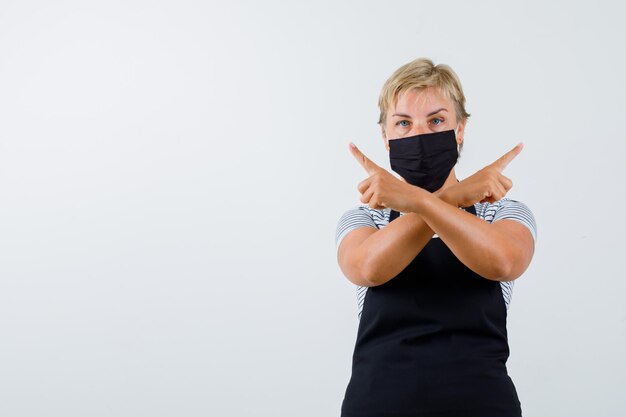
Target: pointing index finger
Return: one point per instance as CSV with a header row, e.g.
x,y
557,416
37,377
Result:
x,y
505,159
365,162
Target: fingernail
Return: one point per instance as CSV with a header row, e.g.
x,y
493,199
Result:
x,y
352,145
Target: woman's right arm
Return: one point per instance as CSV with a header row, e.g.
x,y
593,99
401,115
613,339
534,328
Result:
x,y
368,256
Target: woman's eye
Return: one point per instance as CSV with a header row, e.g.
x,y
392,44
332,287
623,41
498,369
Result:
x,y
436,121
403,123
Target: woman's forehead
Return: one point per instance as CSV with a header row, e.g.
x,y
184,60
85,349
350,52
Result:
x,y
421,100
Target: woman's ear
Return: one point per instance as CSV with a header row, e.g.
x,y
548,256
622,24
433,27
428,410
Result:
x,y
460,132
385,138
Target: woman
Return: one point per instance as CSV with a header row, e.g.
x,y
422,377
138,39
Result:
x,y
434,261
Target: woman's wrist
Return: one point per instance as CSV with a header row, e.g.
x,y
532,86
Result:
x,y
447,195
420,198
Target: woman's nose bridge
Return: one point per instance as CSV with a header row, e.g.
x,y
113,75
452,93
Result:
x,y
419,127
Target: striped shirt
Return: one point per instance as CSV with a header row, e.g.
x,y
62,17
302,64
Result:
x,y
364,216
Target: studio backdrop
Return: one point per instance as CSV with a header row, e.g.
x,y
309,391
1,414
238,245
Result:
x,y
172,174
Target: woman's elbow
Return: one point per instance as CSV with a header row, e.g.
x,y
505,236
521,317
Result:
x,y
370,276
361,273
506,268
504,272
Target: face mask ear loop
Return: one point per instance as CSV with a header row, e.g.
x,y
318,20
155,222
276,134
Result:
x,y
458,145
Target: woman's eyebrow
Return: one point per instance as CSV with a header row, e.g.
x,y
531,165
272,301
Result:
x,y
436,111
428,115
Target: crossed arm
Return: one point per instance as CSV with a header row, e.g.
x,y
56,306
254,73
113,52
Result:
x,y
499,251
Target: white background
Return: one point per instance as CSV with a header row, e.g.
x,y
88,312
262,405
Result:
x,y
172,173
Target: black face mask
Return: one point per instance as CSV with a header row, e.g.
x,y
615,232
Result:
x,y
424,160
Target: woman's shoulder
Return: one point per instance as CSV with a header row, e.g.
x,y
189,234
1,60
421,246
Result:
x,y
378,216
507,208
360,216
488,210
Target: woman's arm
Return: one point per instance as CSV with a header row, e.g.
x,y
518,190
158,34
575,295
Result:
x,y
500,251
370,257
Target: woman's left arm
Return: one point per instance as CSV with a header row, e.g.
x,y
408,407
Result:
x,y
499,251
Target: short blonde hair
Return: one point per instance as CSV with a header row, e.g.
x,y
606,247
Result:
x,y
419,74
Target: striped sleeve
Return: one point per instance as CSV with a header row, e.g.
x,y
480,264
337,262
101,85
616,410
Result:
x,y
507,292
360,297
518,211
353,219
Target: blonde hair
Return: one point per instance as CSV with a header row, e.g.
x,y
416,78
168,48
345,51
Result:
x,y
419,74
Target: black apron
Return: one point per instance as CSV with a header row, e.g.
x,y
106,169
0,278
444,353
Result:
x,y
432,341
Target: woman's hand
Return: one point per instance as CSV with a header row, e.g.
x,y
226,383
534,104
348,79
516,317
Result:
x,y
382,189
486,185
